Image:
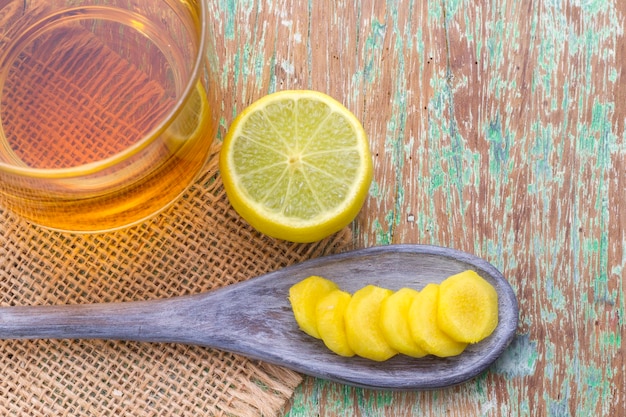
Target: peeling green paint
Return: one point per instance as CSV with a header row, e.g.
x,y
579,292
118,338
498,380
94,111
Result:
x,y
519,360
229,8
373,47
562,159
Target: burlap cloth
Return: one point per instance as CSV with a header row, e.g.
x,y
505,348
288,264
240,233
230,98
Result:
x,y
197,245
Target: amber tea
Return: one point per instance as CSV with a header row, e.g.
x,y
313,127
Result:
x,y
104,113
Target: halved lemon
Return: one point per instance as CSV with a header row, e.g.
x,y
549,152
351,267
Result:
x,y
296,165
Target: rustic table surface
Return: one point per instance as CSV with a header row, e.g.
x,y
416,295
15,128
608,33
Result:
x,y
497,128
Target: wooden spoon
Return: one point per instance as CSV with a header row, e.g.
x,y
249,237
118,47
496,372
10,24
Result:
x,y
254,318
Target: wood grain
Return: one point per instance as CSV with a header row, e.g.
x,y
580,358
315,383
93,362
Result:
x,y
254,318
497,128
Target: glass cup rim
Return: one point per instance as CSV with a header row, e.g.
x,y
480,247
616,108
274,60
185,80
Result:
x,y
144,141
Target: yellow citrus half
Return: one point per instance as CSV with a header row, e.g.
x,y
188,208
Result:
x,y
296,165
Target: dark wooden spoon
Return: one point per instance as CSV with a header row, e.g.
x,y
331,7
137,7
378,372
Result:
x,y
254,318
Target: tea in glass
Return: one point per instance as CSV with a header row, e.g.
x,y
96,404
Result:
x,y
106,108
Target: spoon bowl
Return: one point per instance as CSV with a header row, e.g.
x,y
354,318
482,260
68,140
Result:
x,y
254,318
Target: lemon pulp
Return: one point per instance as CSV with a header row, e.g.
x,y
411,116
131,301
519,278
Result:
x,y
296,165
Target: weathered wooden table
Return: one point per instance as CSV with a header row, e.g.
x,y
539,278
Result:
x,y
497,128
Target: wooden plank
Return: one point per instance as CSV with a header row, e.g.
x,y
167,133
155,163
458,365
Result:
x,y
496,128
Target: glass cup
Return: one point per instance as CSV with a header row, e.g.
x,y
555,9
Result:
x,y
106,108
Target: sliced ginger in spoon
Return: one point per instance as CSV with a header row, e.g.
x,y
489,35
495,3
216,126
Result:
x,y
304,297
468,307
363,324
424,327
394,322
377,323
330,318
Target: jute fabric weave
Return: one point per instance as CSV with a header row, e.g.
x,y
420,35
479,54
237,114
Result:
x,y
197,245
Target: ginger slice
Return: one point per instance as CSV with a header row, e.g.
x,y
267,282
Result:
x,y
330,316
424,327
363,324
394,322
468,307
304,297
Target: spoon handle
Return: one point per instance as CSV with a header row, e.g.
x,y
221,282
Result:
x,y
168,320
